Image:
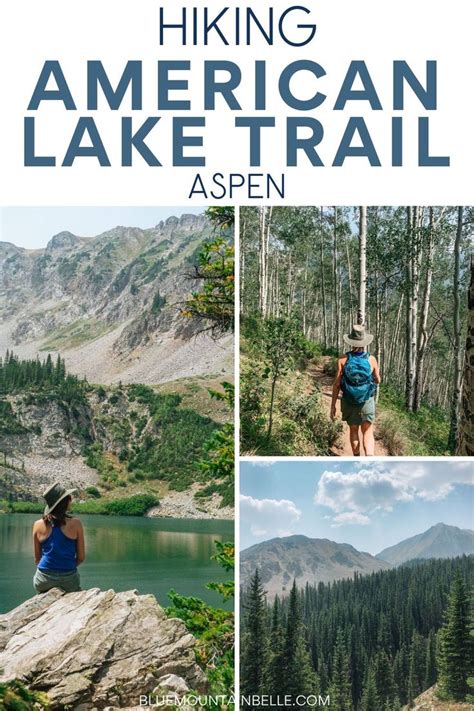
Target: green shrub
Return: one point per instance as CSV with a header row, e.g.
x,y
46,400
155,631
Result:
x,y
330,366
93,491
422,433
15,696
136,505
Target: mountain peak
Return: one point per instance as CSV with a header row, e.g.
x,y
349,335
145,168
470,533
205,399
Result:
x,y
63,240
306,560
439,541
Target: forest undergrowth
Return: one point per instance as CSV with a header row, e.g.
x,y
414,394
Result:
x,y
300,421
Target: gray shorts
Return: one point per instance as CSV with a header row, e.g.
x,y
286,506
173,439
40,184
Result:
x,y
357,414
46,580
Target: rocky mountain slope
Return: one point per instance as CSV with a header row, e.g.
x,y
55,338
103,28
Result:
x,y
307,560
110,304
121,440
98,649
440,541
428,701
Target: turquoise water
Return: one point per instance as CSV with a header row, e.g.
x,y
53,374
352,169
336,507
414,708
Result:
x,y
123,553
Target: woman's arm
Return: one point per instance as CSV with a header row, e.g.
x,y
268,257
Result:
x,y
80,544
36,543
336,387
375,370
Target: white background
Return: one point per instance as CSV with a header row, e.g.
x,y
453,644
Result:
x,y
117,30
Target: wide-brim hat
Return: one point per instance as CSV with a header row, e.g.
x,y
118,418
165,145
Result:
x,y
54,495
358,337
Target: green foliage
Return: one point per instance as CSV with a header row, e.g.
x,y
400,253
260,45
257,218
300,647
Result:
x,y
285,666
9,422
15,696
280,413
225,556
21,506
254,654
163,452
43,378
218,465
456,652
222,218
136,505
213,628
282,343
213,305
93,491
371,638
422,433
330,366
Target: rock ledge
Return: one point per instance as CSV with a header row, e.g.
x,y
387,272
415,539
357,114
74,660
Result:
x,y
97,649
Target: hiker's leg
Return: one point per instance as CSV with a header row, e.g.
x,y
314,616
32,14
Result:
x,y
368,437
355,439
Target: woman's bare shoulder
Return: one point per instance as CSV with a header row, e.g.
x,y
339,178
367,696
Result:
x,y
74,523
39,525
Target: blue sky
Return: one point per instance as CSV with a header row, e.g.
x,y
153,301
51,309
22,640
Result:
x,y
33,227
369,505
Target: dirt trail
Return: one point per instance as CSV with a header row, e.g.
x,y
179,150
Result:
x,y
343,448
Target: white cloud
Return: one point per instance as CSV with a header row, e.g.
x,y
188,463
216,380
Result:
x,y
350,517
381,485
269,517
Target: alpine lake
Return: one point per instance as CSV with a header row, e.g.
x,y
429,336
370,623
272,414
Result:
x,y
151,555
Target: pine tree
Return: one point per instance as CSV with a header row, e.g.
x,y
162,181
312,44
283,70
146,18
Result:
x,y
470,679
255,642
370,699
275,677
384,677
340,689
300,678
430,662
416,669
455,644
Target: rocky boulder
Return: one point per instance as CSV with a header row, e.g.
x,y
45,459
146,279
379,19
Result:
x,y
98,649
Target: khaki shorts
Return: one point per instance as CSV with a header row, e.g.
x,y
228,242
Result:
x,y
357,414
44,581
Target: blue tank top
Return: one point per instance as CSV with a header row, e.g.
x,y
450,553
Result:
x,y
58,552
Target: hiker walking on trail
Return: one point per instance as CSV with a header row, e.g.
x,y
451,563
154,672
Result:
x,y
357,376
58,541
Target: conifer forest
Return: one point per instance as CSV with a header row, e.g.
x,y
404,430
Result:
x,y
372,643
309,274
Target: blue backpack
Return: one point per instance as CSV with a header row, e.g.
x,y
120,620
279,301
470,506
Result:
x,y
357,383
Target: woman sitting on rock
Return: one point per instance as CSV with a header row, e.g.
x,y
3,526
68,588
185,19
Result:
x,y
58,543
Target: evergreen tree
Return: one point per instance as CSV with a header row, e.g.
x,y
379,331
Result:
x,y
430,663
416,669
300,678
276,664
370,698
384,677
340,690
470,679
255,642
413,598
455,644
